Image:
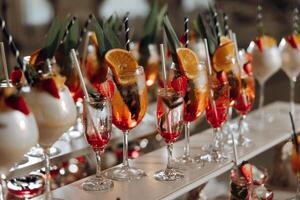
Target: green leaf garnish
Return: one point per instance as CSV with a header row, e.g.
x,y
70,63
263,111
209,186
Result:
x,y
52,40
72,38
106,37
172,38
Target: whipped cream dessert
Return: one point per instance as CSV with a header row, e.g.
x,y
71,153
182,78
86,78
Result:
x,y
54,116
290,59
265,63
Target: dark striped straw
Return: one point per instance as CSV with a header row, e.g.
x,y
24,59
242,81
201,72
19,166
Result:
x,y
226,26
217,26
296,21
84,29
186,32
127,32
259,17
11,43
67,30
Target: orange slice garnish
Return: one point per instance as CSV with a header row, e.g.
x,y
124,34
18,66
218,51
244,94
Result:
x,y
122,63
268,41
34,56
188,62
222,58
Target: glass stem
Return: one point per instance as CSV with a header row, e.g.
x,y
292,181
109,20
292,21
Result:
x,y
261,99
170,155
187,139
241,131
217,138
261,96
2,186
125,149
98,167
298,187
48,175
229,115
292,94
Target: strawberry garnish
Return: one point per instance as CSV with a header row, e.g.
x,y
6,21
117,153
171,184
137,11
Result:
x,y
291,40
246,171
182,39
179,84
107,89
222,77
259,43
248,68
249,57
16,75
50,86
17,103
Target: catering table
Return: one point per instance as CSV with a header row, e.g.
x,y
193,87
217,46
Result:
x,y
264,134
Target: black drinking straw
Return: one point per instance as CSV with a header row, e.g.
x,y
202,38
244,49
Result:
x,y
11,43
67,30
84,29
226,26
186,32
127,32
294,135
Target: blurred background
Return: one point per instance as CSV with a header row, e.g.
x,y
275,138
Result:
x,y
29,20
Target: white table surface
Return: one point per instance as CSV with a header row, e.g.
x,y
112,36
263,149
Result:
x,y
264,135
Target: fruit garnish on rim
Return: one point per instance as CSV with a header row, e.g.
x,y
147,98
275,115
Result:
x,y
17,77
264,42
223,55
246,171
11,99
122,63
293,40
188,62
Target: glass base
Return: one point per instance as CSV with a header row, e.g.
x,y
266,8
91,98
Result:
x,y
213,155
243,141
168,175
98,184
38,152
75,134
123,173
185,162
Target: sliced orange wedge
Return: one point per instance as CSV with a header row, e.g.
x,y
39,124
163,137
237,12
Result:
x,y
188,62
222,58
122,63
34,56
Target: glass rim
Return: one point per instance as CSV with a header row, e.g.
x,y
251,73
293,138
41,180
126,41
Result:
x,y
139,70
161,92
93,101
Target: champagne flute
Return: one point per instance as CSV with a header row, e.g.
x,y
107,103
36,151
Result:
x,y
129,106
170,124
97,125
245,101
216,114
195,99
290,64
